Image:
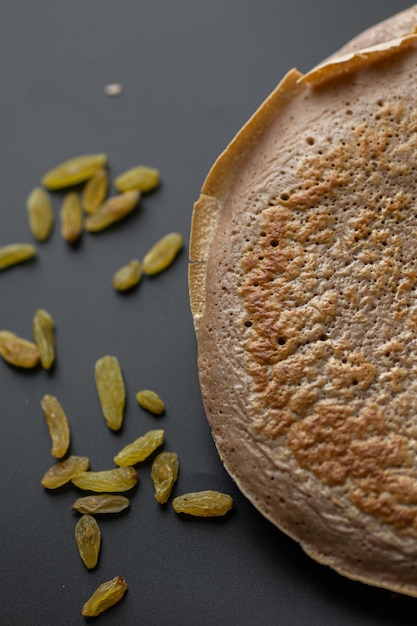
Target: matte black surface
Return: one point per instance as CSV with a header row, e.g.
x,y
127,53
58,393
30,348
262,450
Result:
x,y
192,73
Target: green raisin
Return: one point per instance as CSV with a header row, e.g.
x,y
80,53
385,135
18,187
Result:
x,y
140,449
61,473
164,473
141,177
127,276
203,503
113,210
58,426
15,253
106,595
111,390
18,351
88,539
74,171
114,480
71,217
162,254
101,503
43,333
150,401
41,214
95,191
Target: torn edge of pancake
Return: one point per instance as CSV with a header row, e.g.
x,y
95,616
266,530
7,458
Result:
x,y
203,223
354,61
219,183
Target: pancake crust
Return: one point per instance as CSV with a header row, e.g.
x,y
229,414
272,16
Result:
x,y
303,282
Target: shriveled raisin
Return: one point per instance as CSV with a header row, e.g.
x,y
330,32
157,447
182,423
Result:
x,y
101,503
141,177
95,191
58,426
43,333
150,401
71,217
40,213
203,503
164,473
162,254
105,596
127,276
15,253
88,539
114,480
61,473
112,210
74,171
140,449
111,390
18,351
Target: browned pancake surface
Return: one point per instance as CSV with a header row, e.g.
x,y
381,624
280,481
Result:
x,y
303,282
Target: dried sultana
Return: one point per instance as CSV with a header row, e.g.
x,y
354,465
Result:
x,y
111,390
112,210
150,401
40,213
140,449
18,351
127,276
61,473
43,333
203,503
101,503
114,480
164,473
141,177
88,539
71,217
162,254
106,595
74,171
58,426
95,191
15,253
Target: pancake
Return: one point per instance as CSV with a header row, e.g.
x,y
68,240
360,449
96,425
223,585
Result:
x,y
303,283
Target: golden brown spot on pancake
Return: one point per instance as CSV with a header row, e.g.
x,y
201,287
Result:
x,y
301,401
356,371
396,378
391,497
339,447
275,423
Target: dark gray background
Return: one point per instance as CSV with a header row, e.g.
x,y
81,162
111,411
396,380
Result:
x,y
192,73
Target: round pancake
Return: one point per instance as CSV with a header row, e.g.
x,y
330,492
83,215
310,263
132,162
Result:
x,y
303,283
